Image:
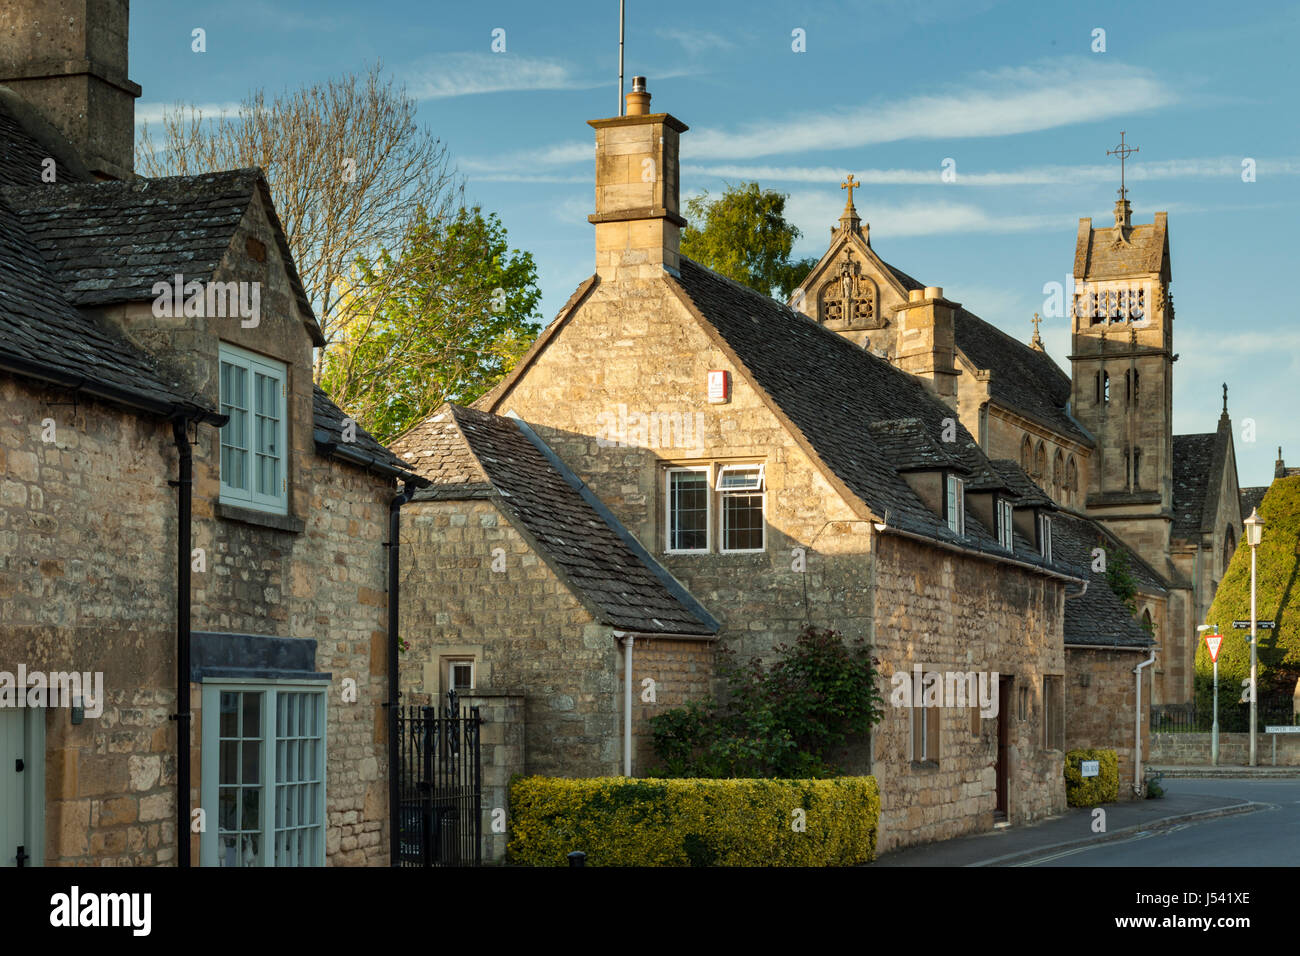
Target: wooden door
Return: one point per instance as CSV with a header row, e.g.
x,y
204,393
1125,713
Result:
x,y
1005,685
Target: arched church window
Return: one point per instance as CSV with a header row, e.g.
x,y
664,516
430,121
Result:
x,y
849,297
1058,473
1135,386
1071,480
1128,388
1147,624
1040,461
1027,455
1105,387
1137,466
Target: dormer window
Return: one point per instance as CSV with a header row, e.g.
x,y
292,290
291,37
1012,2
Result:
x,y
254,444
1045,537
1005,523
956,505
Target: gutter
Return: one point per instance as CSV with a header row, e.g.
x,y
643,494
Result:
x,y
328,446
1109,647
998,559
394,694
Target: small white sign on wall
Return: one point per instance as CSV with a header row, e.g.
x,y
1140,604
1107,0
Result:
x,y
1090,768
719,386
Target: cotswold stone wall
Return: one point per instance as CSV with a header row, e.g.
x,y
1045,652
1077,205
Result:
x,y
87,583
1099,702
633,349
522,625
1193,750
682,672
87,545
947,612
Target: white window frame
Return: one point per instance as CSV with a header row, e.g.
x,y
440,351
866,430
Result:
x,y
668,510
254,365
955,505
211,763
759,487
453,663
1006,524
1045,536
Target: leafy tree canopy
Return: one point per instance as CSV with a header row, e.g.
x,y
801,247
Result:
x,y
744,236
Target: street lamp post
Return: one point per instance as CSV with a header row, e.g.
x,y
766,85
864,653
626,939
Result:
x,y
1254,531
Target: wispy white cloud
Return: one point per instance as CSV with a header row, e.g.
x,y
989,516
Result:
x,y
463,74
813,212
153,113
1002,102
695,42
1204,168
529,162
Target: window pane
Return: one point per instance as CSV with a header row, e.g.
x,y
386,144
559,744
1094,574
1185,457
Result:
x,y
229,715
688,510
229,771
742,521
252,726
252,769
252,818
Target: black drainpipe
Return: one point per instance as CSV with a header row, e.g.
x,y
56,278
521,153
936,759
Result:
x,y
184,486
394,569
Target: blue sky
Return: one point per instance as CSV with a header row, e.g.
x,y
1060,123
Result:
x,y
1013,93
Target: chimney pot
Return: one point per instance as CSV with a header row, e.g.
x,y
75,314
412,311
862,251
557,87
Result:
x,y
934,292
638,101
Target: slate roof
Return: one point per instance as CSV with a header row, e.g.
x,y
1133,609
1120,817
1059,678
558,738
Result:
x,y
42,336
364,451
111,241
28,141
1250,499
1098,256
467,453
1193,460
1020,484
910,447
1024,380
1098,616
832,392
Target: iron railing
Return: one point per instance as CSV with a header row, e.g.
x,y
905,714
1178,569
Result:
x,y
440,784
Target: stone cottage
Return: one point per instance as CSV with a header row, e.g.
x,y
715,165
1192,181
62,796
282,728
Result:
x,y
780,475
194,623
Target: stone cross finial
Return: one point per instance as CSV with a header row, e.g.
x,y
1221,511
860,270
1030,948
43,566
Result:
x,y
850,184
1036,341
1225,398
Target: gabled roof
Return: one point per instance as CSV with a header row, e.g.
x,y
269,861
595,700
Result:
x,y
1020,485
910,447
43,337
110,242
364,450
467,453
1097,254
1250,499
1198,479
28,141
1024,380
830,393
1098,616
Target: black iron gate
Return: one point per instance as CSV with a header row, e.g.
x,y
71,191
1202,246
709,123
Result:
x,y
440,783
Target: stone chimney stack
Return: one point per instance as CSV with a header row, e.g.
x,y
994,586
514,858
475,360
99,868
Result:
x,y
638,225
68,58
927,341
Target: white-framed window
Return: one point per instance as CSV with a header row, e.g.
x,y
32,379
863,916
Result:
x,y
956,510
460,674
688,520
740,489
1006,524
1045,536
925,733
254,443
263,773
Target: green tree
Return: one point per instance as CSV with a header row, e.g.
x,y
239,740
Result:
x,y
745,236
443,319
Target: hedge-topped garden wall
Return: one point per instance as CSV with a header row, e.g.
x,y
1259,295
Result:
x,y
619,821
1081,791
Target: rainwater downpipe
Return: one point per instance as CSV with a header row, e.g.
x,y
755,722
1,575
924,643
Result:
x,y
394,608
184,488
627,640
1137,723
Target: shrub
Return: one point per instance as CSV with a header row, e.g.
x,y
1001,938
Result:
x,y
1081,791
786,721
619,821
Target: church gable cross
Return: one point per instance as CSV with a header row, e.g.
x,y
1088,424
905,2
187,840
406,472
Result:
x,y
1123,151
850,184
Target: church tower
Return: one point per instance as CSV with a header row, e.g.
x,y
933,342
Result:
x,y
1122,374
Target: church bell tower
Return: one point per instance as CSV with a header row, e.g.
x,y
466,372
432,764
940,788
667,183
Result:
x,y
1122,373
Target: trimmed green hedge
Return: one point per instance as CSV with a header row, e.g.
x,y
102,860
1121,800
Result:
x,y
619,821
1081,791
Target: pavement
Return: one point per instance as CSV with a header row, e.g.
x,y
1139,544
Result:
x,y
1009,846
